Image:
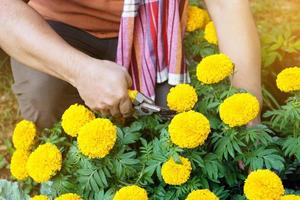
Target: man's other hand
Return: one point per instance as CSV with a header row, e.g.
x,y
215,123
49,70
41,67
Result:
x,y
103,86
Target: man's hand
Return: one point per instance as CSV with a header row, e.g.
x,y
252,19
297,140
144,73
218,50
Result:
x,y
238,38
103,86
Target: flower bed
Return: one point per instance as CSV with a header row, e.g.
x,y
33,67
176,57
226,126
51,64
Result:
x,y
206,151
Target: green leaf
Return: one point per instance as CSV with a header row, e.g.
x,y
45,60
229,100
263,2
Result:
x,y
92,180
221,192
103,177
291,147
213,168
105,195
259,134
99,180
264,158
238,197
60,184
11,191
94,185
227,144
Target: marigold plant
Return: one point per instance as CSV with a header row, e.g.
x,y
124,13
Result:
x,y
263,184
97,138
288,80
182,98
74,118
203,194
189,129
132,192
44,162
24,135
239,109
214,68
176,173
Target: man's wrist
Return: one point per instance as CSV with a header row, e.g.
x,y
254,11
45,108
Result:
x,y
80,66
74,67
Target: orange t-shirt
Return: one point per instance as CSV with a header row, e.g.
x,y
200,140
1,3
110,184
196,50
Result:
x,y
100,18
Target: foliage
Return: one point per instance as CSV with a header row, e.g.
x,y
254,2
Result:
x,y
278,24
277,43
286,119
11,191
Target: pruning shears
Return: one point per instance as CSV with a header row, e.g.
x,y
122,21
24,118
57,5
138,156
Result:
x,y
144,105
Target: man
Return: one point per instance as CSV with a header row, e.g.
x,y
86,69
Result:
x,y
70,57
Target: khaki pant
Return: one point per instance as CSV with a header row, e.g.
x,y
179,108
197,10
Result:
x,y
43,98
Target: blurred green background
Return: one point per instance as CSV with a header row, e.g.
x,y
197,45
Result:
x,y
278,23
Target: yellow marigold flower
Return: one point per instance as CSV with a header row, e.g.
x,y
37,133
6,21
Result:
x,y
290,197
40,197
263,184
176,173
75,117
132,94
18,163
44,162
203,194
189,129
239,109
24,135
197,18
288,80
97,138
214,68
68,196
132,192
182,98
210,33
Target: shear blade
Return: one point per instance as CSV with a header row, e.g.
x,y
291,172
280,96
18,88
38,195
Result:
x,y
167,113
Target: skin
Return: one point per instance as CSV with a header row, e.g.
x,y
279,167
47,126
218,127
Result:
x,y
238,38
103,84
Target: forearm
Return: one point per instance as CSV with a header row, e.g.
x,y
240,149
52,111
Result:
x,y
25,36
238,39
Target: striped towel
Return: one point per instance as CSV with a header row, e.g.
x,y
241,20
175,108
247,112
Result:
x,y
150,43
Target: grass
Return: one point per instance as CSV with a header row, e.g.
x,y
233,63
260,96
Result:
x,y
8,106
9,114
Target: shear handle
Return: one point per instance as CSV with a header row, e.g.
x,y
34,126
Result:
x,y
141,98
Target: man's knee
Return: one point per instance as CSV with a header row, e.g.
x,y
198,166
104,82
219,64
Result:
x,y
40,102
42,98
35,107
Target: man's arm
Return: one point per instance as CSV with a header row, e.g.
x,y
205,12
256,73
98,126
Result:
x,y
25,36
238,39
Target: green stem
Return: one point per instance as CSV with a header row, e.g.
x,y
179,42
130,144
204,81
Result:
x,y
230,88
140,176
296,129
